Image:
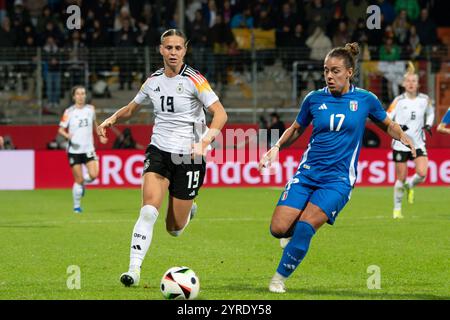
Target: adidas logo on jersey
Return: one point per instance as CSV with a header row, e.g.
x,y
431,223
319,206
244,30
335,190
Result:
x,y
192,194
157,89
323,107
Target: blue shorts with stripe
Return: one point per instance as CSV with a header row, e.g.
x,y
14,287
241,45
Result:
x,y
330,197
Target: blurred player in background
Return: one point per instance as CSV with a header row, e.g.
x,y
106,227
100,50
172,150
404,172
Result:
x,y
327,171
77,125
445,121
414,112
179,95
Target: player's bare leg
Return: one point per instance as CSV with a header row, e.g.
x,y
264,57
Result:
x,y
401,171
419,177
92,171
154,188
179,213
77,188
283,223
313,218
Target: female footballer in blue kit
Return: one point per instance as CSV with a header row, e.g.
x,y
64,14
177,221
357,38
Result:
x,y
327,171
445,121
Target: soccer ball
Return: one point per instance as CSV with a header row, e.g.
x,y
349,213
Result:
x,y
180,283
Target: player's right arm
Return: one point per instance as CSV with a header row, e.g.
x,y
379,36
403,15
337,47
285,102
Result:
x,y
289,136
64,125
122,114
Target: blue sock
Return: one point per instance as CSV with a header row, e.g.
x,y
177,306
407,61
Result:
x,y
296,249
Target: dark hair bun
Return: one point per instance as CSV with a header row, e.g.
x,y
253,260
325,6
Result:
x,y
353,48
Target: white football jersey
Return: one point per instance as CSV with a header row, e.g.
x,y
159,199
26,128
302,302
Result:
x,y
179,105
80,123
415,114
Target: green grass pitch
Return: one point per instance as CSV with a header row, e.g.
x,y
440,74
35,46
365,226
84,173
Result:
x,y
228,245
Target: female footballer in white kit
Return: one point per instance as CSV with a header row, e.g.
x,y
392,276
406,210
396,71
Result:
x,y
77,125
175,156
414,112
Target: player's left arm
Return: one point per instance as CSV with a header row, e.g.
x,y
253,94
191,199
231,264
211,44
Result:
x,y
219,118
429,117
385,123
393,129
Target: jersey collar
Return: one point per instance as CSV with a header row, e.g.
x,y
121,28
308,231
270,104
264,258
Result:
x,y
351,89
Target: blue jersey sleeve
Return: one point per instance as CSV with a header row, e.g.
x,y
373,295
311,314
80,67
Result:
x,y
304,116
376,110
446,119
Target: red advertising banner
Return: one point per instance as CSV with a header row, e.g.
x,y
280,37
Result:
x,y
123,168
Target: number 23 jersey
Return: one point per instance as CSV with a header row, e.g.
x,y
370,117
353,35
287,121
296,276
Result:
x,y
178,104
79,122
338,127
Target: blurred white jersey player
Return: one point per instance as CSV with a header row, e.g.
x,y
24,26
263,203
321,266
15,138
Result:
x,y
414,112
77,125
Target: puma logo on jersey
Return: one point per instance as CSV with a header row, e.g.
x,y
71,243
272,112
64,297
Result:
x,y
323,107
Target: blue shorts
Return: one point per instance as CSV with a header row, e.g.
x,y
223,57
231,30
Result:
x,y
330,197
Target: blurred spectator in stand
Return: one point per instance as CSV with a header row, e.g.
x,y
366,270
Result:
x,y
426,29
125,140
276,129
341,36
319,44
123,16
263,21
285,25
414,47
76,57
201,54
317,15
389,51
387,10
3,12
52,30
401,28
243,19
7,35
125,38
52,72
411,7
19,15
46,16
227,11
355,10
209,11
297,48
98,36
106,12
222,38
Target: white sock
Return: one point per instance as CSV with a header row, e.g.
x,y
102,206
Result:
x,y
142,235
278,276
415,180
398,194
77,191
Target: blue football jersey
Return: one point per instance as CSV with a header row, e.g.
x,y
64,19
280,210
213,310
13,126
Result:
x,y
446,118
338,127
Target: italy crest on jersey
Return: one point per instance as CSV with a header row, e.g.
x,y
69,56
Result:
x,y
353,105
